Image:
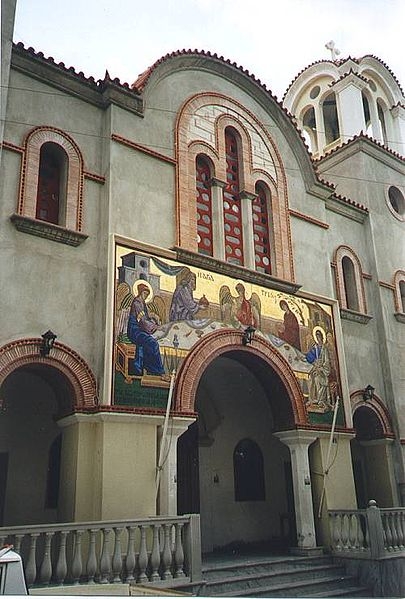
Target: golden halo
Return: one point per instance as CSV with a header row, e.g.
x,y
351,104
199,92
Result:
x,y
148,285
314,332
248,292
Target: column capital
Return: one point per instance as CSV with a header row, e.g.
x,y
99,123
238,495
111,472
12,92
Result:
x,y
296,438
214,182
247,195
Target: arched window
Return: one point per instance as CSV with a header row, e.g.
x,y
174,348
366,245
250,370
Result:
x,y
204,206
367,114
261,228
381,119
51,193
349,280
309,129
248,472
50,203
350,288
232,204
330,118
399,291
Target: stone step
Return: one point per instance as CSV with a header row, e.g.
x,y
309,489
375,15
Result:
x,y
327,586
278,576
233,567
281,575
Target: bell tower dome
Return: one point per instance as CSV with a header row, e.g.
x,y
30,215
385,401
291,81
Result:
x,y
335,100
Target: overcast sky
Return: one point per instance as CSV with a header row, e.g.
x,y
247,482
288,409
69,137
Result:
x,y
273,39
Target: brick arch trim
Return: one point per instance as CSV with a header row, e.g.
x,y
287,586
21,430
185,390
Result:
x,y
30,172
399,277
375,405
220,342
26,351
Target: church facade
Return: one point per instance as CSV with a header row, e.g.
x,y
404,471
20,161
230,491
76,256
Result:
x,y
191,242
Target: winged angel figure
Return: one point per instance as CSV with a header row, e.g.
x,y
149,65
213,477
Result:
x,y
238,310
138,318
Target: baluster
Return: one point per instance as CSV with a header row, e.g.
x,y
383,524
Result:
x,y
336,526
352,532
77,563
388,532
61,564
179,553
394,531
401,528
105,561
167,554
45,571
130,560
345,532
360,532
17,543
31,568
143,557
155,554
117,557
91,565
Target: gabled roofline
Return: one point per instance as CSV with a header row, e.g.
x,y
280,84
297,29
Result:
x,y
360,137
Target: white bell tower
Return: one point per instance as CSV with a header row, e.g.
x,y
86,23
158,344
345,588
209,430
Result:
x,y
337,99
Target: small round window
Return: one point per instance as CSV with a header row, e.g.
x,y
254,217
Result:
x,y
372,85
396,202
314,93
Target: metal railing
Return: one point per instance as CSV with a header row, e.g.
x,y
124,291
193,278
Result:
x,y
159,550
371,533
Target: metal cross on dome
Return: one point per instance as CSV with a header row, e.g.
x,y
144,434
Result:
x,y
333,50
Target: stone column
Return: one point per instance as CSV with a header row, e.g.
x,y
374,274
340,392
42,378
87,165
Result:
x,y
398,118
298,443
247,224
350,106
167,499
218,238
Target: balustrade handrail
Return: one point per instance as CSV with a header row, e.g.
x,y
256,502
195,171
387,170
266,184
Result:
x,y
156,550
92,524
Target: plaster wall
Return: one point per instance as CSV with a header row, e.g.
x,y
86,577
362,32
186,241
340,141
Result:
x,y
108,468
69,298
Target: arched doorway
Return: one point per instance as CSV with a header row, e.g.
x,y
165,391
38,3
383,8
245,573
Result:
x,y
35,392
231,467
371,453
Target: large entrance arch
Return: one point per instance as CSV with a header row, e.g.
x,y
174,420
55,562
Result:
x,y
35,392
232,468
371,451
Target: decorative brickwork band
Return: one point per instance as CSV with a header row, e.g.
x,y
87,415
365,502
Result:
x,y
200,131
26,351
227,340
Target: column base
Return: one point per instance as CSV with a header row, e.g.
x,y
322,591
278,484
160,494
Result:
x,y
306,551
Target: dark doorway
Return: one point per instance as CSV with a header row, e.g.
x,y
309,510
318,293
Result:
x,y
3,483
188,482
